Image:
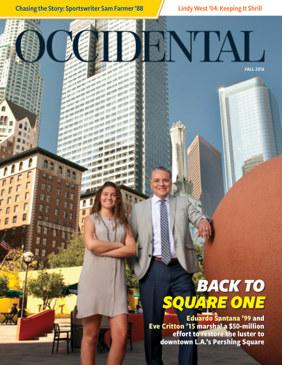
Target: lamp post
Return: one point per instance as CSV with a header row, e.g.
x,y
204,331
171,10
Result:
x,y
27,258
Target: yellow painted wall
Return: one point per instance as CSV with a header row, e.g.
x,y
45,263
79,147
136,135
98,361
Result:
x,y
71,276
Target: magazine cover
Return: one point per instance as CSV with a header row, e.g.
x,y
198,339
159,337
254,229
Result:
x,y
140,170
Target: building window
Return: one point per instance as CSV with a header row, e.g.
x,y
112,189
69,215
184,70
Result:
x,y
130,199
45,230
63,245
13,169
11,181
54,243
72,196
9,200
47,209
71,205
66,194
49,188
84,203
126,197
38,240
24,217
29,174
71,215
50,178
64,224
1,202
56,221
68,173
91,201
0,212
70,225
18,188
21,166
65,214
37,252
41,207
43,253
135,200
17,198
39,229
58,191
43,186
57,201
83,212
44,242
51,166
40,217
72,187
55,232
67,184
28,185
59,182
30,163
65,204
22,240
44,176
42,197
15,208
60,170
7,210
19,177
23,229
25,206
56,211
2,192
10,190
45,165
63,234
13,230
26,195
6,221
73,175
5,171
46,219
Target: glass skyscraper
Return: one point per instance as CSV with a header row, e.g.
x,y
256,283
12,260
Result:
x,y
20,82
114,115
251,128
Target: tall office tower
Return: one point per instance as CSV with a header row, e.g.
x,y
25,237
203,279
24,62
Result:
x,y
205,172
114,115
20,82
178,138
251,126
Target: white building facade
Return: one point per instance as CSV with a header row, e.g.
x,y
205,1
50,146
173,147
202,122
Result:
x,y
20,82
114,115
250,124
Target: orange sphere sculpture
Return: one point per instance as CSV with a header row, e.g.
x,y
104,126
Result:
x,y
247,245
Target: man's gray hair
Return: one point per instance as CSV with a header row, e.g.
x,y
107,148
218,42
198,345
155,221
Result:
x,y
161,168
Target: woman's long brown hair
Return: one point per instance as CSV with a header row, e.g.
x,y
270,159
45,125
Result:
x,y
118,210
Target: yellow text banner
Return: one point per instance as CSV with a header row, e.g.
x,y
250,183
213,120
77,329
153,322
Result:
x,y
82,9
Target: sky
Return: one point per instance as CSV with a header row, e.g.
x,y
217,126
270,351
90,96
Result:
x,y
193,86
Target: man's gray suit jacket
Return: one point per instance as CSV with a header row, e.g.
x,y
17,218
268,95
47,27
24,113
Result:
x,y
181,212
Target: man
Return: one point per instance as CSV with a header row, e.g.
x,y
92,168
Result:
x,y
166,260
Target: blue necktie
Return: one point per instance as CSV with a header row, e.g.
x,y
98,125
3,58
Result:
x,y
164,234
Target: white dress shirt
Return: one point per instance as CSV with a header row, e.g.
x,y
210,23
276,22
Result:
x,y
156,223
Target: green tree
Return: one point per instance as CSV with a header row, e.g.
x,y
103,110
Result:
x,y
72,256
199,275
131,281
4,281
46,287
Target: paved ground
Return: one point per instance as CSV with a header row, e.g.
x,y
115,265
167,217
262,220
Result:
x,y
39,352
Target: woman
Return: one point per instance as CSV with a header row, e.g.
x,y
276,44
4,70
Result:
x,y
102,284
